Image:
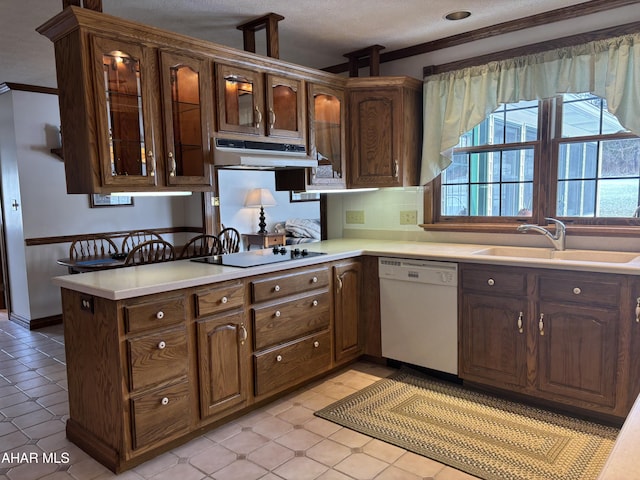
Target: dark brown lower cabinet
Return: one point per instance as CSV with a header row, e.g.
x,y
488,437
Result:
x,y
348,334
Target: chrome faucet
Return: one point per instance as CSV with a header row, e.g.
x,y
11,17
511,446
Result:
x,y
558,240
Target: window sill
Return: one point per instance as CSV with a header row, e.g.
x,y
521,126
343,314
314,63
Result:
x,y
579,230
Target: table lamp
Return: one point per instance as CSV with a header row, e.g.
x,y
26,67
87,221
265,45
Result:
x,y
260,197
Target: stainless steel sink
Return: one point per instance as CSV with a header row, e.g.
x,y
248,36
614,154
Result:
x,y
566,255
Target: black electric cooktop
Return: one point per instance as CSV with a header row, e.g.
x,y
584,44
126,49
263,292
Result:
x,y
258,257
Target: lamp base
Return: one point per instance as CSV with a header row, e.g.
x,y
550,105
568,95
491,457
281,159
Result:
x,y
262,224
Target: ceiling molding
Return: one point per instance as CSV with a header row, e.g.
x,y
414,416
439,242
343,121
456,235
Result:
x,y
8,86
559,14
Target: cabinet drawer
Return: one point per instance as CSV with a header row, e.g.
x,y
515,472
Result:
x,y
219,299
158,415
157,313
494,281
291,363
157,358
579,288
274,324
289,284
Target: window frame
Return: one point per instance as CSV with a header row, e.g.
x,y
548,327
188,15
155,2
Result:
x,y
545,185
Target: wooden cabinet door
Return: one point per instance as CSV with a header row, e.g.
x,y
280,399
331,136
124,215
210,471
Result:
x,y
327,121
124,80
224,352
376,124
347,323
632,316
240,100
493,339
578,352
284,109
187,107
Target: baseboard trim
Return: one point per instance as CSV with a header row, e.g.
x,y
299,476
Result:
x,y
37,322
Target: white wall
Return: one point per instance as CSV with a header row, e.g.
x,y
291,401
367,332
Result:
x,y
382,208
32,175
234,184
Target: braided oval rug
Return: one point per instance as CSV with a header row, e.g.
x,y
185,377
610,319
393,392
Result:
x,y
482,435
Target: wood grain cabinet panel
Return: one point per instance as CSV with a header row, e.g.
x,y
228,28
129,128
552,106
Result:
x,y
218,299
273,324
158,357
154,314
292,362
159,415
279,286
348,330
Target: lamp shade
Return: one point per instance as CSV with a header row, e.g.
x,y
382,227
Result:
x,y
260,197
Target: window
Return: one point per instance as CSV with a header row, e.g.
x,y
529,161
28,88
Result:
x,y
512,166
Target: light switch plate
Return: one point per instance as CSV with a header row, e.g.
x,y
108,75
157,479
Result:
x,y
355,216
408,217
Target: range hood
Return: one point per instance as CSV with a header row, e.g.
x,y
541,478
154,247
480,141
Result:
x,y
260,155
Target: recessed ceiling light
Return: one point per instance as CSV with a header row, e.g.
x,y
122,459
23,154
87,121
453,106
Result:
x,y
459,15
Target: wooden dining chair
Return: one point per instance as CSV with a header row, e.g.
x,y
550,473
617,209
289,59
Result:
x,y
201,246
151,251
229,240
92,246
136,237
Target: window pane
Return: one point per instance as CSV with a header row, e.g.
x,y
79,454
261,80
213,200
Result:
x,y
578,160
576,198
455,200
485,200
617,198
510,123
517,165
585,114
517,199
485,167
458,171
620,158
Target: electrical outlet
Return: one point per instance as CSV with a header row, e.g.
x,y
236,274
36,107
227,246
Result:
x,y
355,216
408,217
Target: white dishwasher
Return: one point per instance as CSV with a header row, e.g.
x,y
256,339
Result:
x,y
419,312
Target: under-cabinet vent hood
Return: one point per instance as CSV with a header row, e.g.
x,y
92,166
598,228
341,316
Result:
x,y
260,155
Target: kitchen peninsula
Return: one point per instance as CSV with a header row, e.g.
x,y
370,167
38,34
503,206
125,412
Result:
x,y
169,350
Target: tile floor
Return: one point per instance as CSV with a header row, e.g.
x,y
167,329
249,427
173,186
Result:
x,y
281,441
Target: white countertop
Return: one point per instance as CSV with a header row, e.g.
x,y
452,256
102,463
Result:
x,y
131,282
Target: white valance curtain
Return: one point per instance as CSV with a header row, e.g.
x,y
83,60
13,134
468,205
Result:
x,y
455,102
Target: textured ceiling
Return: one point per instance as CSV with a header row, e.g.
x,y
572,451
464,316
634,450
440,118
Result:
x,y
313,33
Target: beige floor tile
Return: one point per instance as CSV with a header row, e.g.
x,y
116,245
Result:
x,y
244,442
272,427
318,401
213,459
328,452
296,415
299,439
350,438
224,432
383,451
87,469
448,473
395,473
322,427
422,466
333,475
271,455
182,471
361,466
335,391
156,465
44,429
300,468
31,471
193,447
32,418
240,469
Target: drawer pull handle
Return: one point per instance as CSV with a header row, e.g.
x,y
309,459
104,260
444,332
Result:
x,y
316,344
279,358
160,315
277,314
224,299
520,317
638,310
162,345
165,401
314,280
243,336
577,291
276,288
315,303
541,324
491,282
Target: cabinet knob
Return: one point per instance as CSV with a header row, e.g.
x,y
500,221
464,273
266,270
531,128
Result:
x,y
276,288
164,401
314,280
491,282
315,303
161,345
279,358
160,315
277,314
316,344
224,299
577,291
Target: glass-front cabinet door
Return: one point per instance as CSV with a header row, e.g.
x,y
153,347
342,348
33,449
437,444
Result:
x,y
185,87
124,114
327,136
240,100
285,101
